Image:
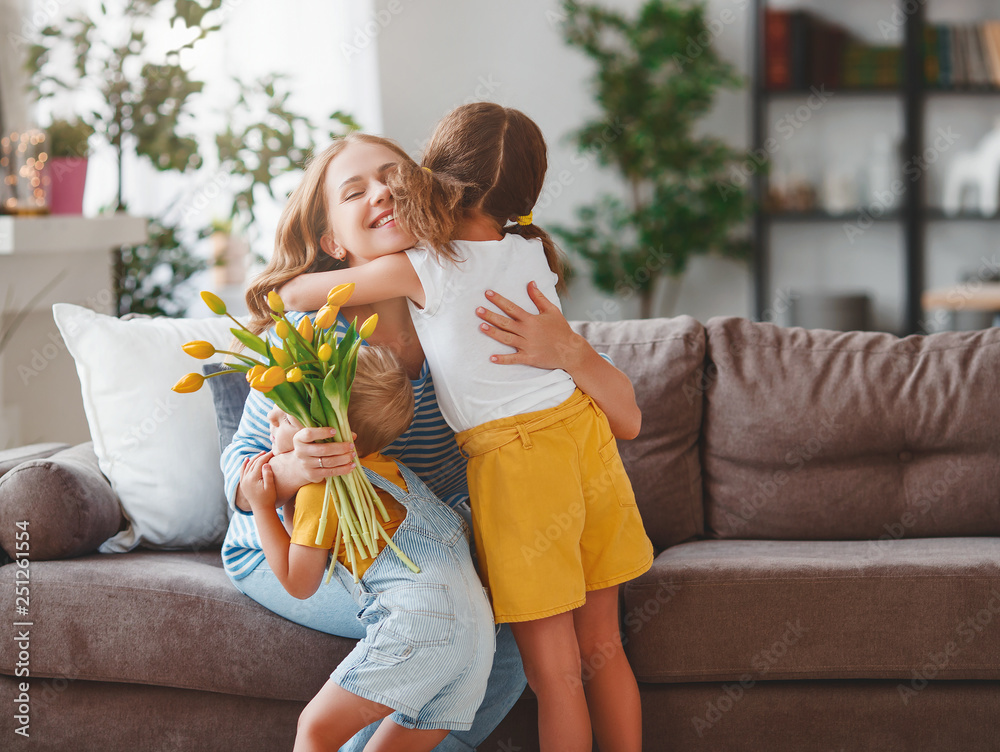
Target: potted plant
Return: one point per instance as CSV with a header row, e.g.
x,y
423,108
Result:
x,y
69,147
657,75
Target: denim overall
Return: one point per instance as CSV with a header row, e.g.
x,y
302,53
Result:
x,y
429,642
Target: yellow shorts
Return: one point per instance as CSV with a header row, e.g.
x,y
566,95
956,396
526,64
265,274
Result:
x,y
552,510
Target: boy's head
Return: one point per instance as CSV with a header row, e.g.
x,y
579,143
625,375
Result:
x,y
381,406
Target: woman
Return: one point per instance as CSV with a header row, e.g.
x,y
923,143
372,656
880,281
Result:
x,y
344,207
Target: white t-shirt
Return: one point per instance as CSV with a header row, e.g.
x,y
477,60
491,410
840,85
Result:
x,y
471,390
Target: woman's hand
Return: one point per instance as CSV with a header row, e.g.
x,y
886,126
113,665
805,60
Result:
x,y
542,340
307,462
546,340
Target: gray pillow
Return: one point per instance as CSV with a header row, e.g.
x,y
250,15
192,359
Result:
x,y
67,502
229,393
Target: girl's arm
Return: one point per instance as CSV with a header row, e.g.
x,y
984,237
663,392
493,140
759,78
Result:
x,y
384,278
299,569
545,340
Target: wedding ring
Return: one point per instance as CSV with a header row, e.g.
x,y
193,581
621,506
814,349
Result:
x,y
321,462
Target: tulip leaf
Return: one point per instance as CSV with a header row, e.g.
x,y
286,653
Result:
x,y
252,341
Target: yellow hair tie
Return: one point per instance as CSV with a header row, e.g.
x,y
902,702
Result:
x,y
525,220
428,170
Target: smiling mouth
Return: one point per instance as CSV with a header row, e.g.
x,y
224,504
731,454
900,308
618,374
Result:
x,y
383,220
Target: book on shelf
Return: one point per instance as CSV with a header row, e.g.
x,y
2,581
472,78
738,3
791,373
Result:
x,y
801,49
962,55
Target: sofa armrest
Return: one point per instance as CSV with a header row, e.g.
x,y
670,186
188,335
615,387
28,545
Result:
x,y
67,502
11,458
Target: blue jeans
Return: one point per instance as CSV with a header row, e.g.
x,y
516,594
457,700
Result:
x,y
333,610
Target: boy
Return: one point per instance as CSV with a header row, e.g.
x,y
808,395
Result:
x,y
416,664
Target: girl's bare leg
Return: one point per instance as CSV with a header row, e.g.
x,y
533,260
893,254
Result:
x,y
612,693
391,737
332,717
551,660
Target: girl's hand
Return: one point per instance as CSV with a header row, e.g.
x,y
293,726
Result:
x,y
543,339
257,481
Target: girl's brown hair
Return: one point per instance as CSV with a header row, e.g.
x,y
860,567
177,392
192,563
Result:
x,y
303,223
481,156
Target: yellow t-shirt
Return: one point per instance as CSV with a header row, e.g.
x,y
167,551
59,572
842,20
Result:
x,y
309,507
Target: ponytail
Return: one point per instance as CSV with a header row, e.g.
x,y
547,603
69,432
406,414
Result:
x,y
427,206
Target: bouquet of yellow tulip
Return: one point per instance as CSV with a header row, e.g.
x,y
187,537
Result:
x,y
310,377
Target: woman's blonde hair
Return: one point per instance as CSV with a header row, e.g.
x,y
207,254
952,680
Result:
x,y
481,156
381,405
303,223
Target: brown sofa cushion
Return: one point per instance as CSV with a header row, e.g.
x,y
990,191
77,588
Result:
x,y
813,434
11,458
67,502
911,610
665,360
169,619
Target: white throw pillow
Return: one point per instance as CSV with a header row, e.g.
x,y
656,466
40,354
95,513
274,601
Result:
x,y
159,449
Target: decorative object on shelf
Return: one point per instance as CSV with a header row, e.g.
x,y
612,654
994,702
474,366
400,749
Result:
x,y
882,170
69,148
686,192
22,164
840,192
979,170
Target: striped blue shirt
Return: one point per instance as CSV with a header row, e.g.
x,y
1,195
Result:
x,y
428,448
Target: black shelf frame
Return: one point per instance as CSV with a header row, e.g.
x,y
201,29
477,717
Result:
x,y
913,212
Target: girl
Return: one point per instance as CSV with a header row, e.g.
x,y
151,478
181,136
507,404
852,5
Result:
x,y
428,447
542,453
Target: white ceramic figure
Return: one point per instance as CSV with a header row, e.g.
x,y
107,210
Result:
x,y
978,170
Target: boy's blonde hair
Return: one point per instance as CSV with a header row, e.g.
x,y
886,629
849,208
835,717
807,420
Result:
x,y
381,405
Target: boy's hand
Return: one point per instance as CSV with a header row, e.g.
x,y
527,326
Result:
x,y
257,481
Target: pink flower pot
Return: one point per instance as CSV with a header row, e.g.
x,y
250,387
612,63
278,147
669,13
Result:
x,y
68,177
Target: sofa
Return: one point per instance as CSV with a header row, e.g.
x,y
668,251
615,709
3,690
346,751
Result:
x,y
825,509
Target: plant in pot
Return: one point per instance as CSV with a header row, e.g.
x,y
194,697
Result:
x,y
654,82
69,147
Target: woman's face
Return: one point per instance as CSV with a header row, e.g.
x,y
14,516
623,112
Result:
x,y
359,205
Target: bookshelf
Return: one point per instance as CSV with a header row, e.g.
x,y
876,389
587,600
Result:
x,y
909,218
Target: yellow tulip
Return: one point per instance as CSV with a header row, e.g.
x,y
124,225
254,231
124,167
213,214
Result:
x,y
326,317
281,329
283,359
275,303
272,377
214,303
340,294
294,376
255,372
368,327
256,384
199,349
188,383
305,328
325,352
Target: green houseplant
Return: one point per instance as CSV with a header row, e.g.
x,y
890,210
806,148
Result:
x,y
656,78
